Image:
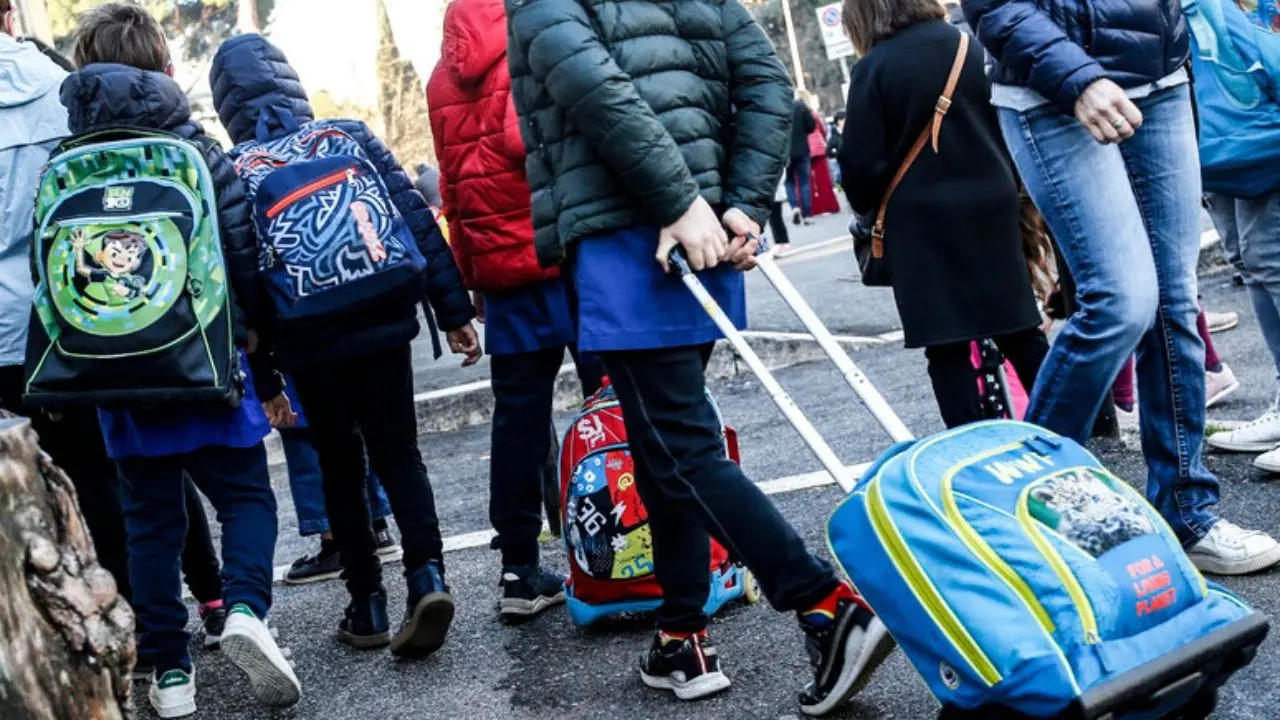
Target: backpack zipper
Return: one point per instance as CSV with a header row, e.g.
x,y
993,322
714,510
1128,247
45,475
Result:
x,y
348,176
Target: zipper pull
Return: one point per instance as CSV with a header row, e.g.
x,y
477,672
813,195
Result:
x,y
1040,442
351,177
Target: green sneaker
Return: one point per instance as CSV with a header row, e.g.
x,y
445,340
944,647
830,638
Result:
x,y
173,694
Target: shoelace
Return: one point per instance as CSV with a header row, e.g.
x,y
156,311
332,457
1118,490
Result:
x,y
1224,529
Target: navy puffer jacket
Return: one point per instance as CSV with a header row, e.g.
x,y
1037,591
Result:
x,y
106,95
1060,47
256,91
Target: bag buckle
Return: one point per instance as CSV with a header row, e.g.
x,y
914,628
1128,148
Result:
x,y
944,104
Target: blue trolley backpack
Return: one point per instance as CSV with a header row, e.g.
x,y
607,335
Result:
x,y
331,237
1019,576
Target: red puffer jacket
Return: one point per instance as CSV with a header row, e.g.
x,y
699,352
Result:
x,y
477,137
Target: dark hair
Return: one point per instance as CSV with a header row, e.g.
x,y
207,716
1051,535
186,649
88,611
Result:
x,y
870,21
121,33
840,115
5,7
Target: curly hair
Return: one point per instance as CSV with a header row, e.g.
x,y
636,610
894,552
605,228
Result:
x,y
1037,246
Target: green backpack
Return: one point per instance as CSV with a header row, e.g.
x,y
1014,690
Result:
x,y
131,304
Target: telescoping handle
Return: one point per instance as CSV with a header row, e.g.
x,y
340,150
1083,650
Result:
x,y
808,433
867,392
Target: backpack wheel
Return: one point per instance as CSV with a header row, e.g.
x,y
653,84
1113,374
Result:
x,y
750,588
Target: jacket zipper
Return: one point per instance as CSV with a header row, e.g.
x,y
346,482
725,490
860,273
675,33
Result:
x,y
923,589
348,175
1033,530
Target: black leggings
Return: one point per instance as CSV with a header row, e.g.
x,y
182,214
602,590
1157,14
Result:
x,y
778,224
955,381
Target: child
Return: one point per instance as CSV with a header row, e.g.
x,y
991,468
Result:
x,y
632,152
124,80
354,373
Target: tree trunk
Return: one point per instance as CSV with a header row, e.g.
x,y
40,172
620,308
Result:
x,y
66,636
248,20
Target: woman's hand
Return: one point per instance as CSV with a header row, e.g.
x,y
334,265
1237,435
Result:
x,y
1107,113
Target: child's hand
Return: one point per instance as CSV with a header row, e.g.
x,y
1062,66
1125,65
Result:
x,y
699,233
464,341
280,412
745,242
477,301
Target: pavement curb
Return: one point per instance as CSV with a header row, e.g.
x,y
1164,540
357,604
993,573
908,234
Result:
x,y
471,404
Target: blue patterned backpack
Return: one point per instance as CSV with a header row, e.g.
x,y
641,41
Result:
x,y
332,239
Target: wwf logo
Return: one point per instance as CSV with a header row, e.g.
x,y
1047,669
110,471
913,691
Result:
x,y
117,199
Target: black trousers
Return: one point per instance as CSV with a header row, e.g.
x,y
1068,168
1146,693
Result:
x,y
367,403
693,492
200,566
955,381
778,225
523,391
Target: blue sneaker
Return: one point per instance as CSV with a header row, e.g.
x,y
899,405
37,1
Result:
x,y
429,614
365,625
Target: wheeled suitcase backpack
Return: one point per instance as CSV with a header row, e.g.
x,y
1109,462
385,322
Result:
x,y
131,303
605,524
1020,578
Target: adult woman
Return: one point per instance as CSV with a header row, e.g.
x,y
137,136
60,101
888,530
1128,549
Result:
x,y
1095,106
823,198
953,239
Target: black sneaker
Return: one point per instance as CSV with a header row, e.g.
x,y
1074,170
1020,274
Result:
x,y
388,547
365,626
688,667
324,565
212,622
527,591
844,651
429,613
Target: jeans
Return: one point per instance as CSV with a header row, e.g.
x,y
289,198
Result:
x,y
1127,220
799,184
307,485
694,492
1250,230
523,390
367,403
237,483
955,381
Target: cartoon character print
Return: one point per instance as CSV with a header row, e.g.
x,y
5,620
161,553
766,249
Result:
x,y
114,280
368,232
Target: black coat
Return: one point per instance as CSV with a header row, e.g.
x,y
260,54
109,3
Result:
x,y
631,110
802,126
105,95
952,235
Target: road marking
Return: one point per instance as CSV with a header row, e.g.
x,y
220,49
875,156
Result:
x,y
891,337
780,486
806,337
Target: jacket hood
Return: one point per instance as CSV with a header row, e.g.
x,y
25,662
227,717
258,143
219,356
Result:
x,y
106,94
475,39
256,92
26,75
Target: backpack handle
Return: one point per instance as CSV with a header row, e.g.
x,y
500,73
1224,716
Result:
x,y
283,118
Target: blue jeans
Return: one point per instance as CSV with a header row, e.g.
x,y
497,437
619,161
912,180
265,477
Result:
x,y
1250,230
306,485
799,176
153,495
1127,220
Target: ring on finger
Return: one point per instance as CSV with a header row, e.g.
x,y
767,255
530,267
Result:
x,y
1119,123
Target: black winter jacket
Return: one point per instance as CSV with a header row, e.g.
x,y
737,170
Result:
x,y
251,76
106,95
802,126
631,109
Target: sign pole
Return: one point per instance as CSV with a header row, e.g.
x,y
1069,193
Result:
x,y
795,47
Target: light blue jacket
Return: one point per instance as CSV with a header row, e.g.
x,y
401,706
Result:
x,y
32,122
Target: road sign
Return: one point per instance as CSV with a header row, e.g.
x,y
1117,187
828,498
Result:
x,y
837,43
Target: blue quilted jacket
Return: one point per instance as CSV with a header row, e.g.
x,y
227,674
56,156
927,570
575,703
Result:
x,y
1059,47
253,88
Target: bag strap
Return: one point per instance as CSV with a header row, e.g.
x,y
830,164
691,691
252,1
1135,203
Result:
x,y
930,132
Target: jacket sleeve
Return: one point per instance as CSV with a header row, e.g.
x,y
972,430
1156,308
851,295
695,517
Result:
x,y
867,165
445,291
809,123
567,58
459,244
761,95
1026,40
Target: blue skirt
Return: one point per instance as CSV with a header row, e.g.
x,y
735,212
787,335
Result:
x,y
626,302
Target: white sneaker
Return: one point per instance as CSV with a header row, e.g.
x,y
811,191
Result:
x,y
173,694
1268,461
248,644
1218,385
1260,435
1221,321
1231,550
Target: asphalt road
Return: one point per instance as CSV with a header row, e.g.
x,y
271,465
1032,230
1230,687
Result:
x,y
550,668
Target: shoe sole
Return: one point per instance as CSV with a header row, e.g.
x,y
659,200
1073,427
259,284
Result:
x,y
1213,566
1265,467
426,627
212,642
515,610
1215,329
320,577
1227,446
1222,394
363,642
271,680
178,710
860,663
395,553
702,686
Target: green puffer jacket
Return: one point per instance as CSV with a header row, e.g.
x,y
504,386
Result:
x,y
631,109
